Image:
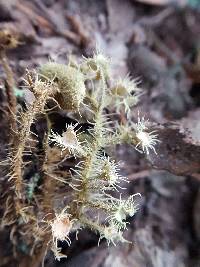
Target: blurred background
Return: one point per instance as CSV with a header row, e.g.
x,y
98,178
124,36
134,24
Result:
x,y
159,42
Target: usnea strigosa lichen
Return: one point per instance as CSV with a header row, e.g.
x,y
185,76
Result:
x,y
89,188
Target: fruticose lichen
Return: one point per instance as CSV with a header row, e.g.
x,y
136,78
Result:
x,y
92,189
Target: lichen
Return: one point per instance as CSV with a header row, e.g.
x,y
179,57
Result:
x,y
93,186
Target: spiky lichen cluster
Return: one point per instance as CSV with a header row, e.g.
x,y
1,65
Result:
x,y
125,92
92,184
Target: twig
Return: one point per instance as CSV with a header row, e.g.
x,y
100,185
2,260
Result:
x,y
196,176
77,26
9,85
49,185
35,260
156,19
162,47
138,175
46,21
42,93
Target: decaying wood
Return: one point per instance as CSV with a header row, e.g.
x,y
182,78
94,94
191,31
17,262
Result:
x,y
177,152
